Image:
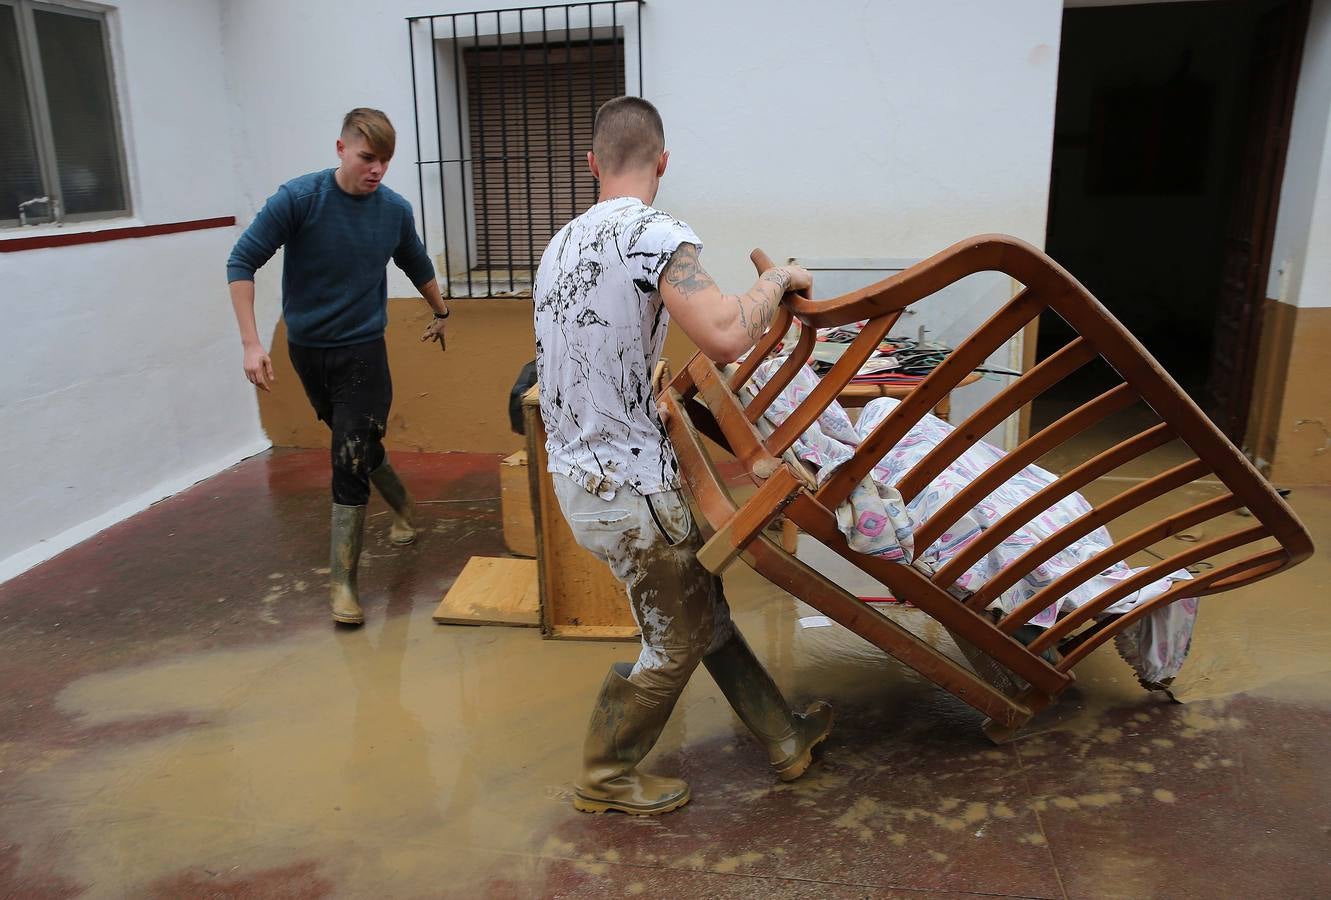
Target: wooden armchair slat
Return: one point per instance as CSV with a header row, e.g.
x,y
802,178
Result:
x,y
1077,617
1009,320
700,400
784,375
823,396
1120,551
1048,373
1228,577
1093,468
1148,490
1111,401
742,436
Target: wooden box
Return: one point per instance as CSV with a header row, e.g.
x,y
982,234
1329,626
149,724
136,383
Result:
x,y
580,598
515,504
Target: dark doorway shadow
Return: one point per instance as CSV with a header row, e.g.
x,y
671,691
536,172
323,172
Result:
x,y
1169,146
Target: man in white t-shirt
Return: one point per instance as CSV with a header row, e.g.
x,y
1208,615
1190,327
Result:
x,y
608,285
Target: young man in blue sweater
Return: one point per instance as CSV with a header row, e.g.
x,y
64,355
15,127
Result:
x,y
340,228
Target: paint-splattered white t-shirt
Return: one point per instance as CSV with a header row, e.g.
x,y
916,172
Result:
x,y
600,327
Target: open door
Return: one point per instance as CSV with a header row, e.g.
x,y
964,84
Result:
x,y
1277,50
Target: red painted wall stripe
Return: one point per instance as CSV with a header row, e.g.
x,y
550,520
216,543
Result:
x,y
111,234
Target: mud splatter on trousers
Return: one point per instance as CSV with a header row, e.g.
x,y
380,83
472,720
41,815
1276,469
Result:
x,y
651,544
351,391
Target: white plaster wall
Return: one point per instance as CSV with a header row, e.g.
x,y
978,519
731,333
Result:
x,y
1301,253
853,130
889,130
120,376
885,130
293,69
847,129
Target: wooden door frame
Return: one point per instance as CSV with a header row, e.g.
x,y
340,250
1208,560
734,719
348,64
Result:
x,y
1258,364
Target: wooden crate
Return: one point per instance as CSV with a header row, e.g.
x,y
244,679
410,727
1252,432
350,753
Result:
x,y
515,503
580,598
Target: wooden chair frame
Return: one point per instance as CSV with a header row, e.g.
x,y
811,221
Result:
x,y
700,400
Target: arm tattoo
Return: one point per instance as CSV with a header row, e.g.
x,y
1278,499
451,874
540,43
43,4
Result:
x,y
685,273
778,277
761,307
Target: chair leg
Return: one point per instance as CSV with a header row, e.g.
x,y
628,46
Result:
x,y
985,666
1033,700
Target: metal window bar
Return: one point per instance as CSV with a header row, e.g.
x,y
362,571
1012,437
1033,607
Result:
x,y
549,145
485,193
438,135
526,133
591,62
420,171
513,175
568,94
503,140
466,220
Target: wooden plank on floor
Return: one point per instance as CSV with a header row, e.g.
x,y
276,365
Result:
x,y
594,633
493,591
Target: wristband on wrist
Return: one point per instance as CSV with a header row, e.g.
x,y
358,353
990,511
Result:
x,y
443,315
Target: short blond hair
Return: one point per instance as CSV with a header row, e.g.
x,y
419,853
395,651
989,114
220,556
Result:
x,y
374,126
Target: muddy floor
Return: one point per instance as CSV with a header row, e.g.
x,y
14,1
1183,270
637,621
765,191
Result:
x,y
180,719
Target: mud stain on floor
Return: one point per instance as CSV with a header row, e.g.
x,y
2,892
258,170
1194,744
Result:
x,y
213,734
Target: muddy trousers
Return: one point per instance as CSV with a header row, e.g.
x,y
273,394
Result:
x,y
651,544
351,391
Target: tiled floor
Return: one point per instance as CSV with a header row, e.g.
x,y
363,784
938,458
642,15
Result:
x,y
180,719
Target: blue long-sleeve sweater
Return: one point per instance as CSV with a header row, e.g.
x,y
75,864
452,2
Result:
x,y
334,278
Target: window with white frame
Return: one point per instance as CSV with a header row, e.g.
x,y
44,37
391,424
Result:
x,y
61,153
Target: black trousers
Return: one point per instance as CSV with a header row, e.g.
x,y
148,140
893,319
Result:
x,y
351,391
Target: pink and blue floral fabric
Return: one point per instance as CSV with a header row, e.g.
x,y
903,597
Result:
x,y
876,521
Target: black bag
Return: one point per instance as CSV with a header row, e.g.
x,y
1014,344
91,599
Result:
x,y
526,378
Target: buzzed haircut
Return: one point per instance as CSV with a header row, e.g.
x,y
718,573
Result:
x,y
374,126
628,134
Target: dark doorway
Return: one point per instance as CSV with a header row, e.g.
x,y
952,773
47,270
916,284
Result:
x,y
1169,144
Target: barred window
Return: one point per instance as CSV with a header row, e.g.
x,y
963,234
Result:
x,y
510,97
61,152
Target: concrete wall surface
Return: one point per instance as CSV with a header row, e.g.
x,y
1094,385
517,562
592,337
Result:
x,y
120,376
1292,428
1301,254
847,130
841,129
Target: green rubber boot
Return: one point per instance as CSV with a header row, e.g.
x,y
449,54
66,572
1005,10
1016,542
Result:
x,y
391,488
348,530
622,731
789,736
